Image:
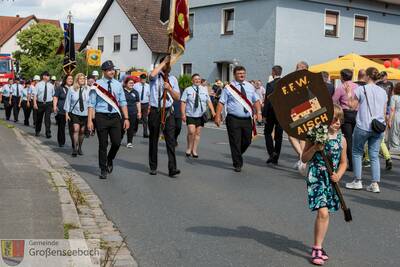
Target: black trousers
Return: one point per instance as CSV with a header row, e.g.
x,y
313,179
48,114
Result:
x,y
178,128
240,135
16,108
7,107
27,111
108,125
61,122
130,132
347,129
169,134
145,118
273,145
44,110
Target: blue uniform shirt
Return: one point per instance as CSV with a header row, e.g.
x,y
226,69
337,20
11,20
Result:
x,y
17,89
157,89
146,95
39,91
189,97
25,92
72,101
99,104
6,90
232,105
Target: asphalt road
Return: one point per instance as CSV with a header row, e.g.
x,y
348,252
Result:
x,y
212,216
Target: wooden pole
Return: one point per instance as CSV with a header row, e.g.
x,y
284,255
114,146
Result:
x,y
346,211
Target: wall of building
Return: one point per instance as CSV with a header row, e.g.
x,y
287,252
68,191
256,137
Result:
x,y
300,33
11,45
115,22
251,45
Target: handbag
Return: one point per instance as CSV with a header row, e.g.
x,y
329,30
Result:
x,y
376,126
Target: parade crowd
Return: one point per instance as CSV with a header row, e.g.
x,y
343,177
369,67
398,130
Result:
x,y
366,122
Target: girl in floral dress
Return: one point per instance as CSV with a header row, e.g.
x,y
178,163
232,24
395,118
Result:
x,y
322,196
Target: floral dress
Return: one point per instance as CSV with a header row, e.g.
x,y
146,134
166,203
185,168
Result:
x,y
320,191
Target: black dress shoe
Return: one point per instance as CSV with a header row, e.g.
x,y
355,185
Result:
x,y
153,172
270,160
74,153
195,156
174,172
110,166
48,136
188,155
103,174
238,169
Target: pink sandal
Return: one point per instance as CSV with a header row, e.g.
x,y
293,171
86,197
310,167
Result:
x,y
317,256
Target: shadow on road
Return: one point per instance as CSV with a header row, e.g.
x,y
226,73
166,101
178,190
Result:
x,y
277,242
375,202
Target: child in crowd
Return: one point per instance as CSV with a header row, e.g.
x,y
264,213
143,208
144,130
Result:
x,y
322,196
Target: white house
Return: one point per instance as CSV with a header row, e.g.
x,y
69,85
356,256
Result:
x,y
129,33
11,26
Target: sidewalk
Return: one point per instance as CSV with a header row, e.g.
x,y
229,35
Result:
x,y
30,206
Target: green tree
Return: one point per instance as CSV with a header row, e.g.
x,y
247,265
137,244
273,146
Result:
x,y
184,81
39,44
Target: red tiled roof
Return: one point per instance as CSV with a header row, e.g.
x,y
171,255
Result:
x,y
145,17
9,26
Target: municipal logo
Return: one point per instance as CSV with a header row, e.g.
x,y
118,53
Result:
x,y
12,251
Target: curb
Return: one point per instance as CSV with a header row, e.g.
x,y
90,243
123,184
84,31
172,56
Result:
x,y
82,213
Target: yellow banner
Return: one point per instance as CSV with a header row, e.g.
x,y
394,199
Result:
x,y
93,57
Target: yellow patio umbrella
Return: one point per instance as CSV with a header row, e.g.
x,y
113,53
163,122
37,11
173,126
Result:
x,y
354,62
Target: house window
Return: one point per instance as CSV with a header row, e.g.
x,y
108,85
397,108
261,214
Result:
x,y
117,43
331,23
134,41
228,21
187,68
191,24
360,28
100,44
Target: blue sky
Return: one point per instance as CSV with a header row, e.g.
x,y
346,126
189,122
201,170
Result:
x,y
84,12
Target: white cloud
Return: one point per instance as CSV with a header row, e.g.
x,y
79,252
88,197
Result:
x,y
84,12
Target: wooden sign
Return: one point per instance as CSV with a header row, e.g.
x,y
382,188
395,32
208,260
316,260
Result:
x,y
301,100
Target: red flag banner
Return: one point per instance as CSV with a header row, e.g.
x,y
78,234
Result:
x,y
178,28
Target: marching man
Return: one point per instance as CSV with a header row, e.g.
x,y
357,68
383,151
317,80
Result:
x,y
239,97
157,105
106,101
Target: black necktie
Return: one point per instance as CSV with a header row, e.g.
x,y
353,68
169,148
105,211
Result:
x,y
142,95
196,99
243,93
45,93
110,91
17,91
81,107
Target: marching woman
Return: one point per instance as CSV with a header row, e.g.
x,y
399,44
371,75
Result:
x,y
76,112
134,109
58,106
25,102
194,103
